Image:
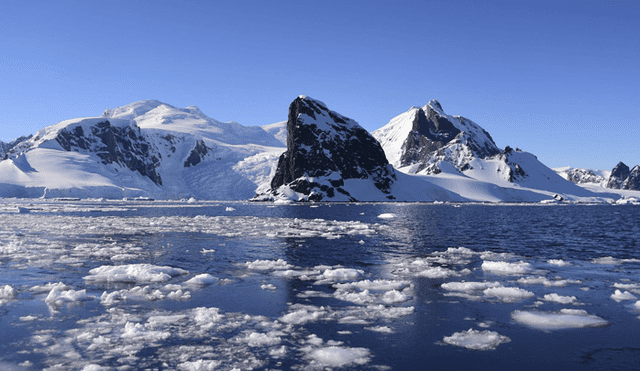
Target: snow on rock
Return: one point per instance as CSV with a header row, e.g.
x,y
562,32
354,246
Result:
x,y
563,319
133,273
329,157
476,340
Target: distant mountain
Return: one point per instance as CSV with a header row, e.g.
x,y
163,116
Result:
x,y
583,176
421,139
147,148
623,178
6,147
329,157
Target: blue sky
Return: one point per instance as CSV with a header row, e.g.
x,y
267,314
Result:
x,y
559,79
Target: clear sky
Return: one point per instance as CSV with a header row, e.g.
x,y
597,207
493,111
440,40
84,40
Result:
x,y
560,79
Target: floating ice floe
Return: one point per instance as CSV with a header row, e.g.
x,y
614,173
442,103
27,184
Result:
x,y
338,356
133,273
508,294
57,299
546,282
387,216
620,296
555,298
268,287
563,319
506,268
469,286
264,265
476,340
7,294
201,280
338,274
136,293
558,262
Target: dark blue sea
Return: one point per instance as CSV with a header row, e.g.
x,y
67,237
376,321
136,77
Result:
x,y
115,285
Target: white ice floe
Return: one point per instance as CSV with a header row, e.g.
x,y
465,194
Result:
x,y
133,273
264,265
335,356
563,319
508,294
608,260
378,285
49,286
546,282
268,287
469,286
136,293
301,316
381,329
199,365
555,298
387,216
7,294
476,340
338,274
201,280
627,286
437,272
558,262
506,268
255,339
57,299
620,296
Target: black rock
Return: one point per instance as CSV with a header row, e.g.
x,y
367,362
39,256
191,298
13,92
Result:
x,y
619,174
633,180
325,148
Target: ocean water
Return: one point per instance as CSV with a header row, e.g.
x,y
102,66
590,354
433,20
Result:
x,y
114,285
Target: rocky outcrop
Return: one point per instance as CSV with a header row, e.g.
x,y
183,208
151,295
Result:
x,y
5,148
123,145
324,149
580,176
619,174
197,154
633,180
423,137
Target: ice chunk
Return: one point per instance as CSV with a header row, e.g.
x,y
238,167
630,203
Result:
x,y
394,296
560,299
57,299
506,268
468,286
133,273
339,274
199,365
268,287
437,272
387,216
508,294
378,285
565,318
47,288
135,293
476,340
620,296
255,339
263,265
202,280
334,356
558,262
301,316
543,281
7,293
607,260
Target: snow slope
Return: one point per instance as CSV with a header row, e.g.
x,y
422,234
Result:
x,y
147,149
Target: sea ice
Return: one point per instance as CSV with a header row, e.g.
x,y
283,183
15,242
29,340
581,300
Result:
x,y
558,262
7,294
338,274
57,299
387,216
508,294
565,318
553,297
263,265
506,268
334,356
469,286
476,340
202,280
268,287
133,273
620,296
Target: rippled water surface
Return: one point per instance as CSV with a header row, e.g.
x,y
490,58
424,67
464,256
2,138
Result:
x,y
219,286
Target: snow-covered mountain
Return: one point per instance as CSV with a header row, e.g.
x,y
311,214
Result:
x,y
421,139
329,157
583,176
146,148
623,178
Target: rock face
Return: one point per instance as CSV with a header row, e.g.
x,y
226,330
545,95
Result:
x,y
623,178
6,147
325,149
424,137
581,176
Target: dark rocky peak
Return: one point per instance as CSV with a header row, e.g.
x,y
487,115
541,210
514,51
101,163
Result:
x,y
325,148
618,175
633,180
431,124
7,148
